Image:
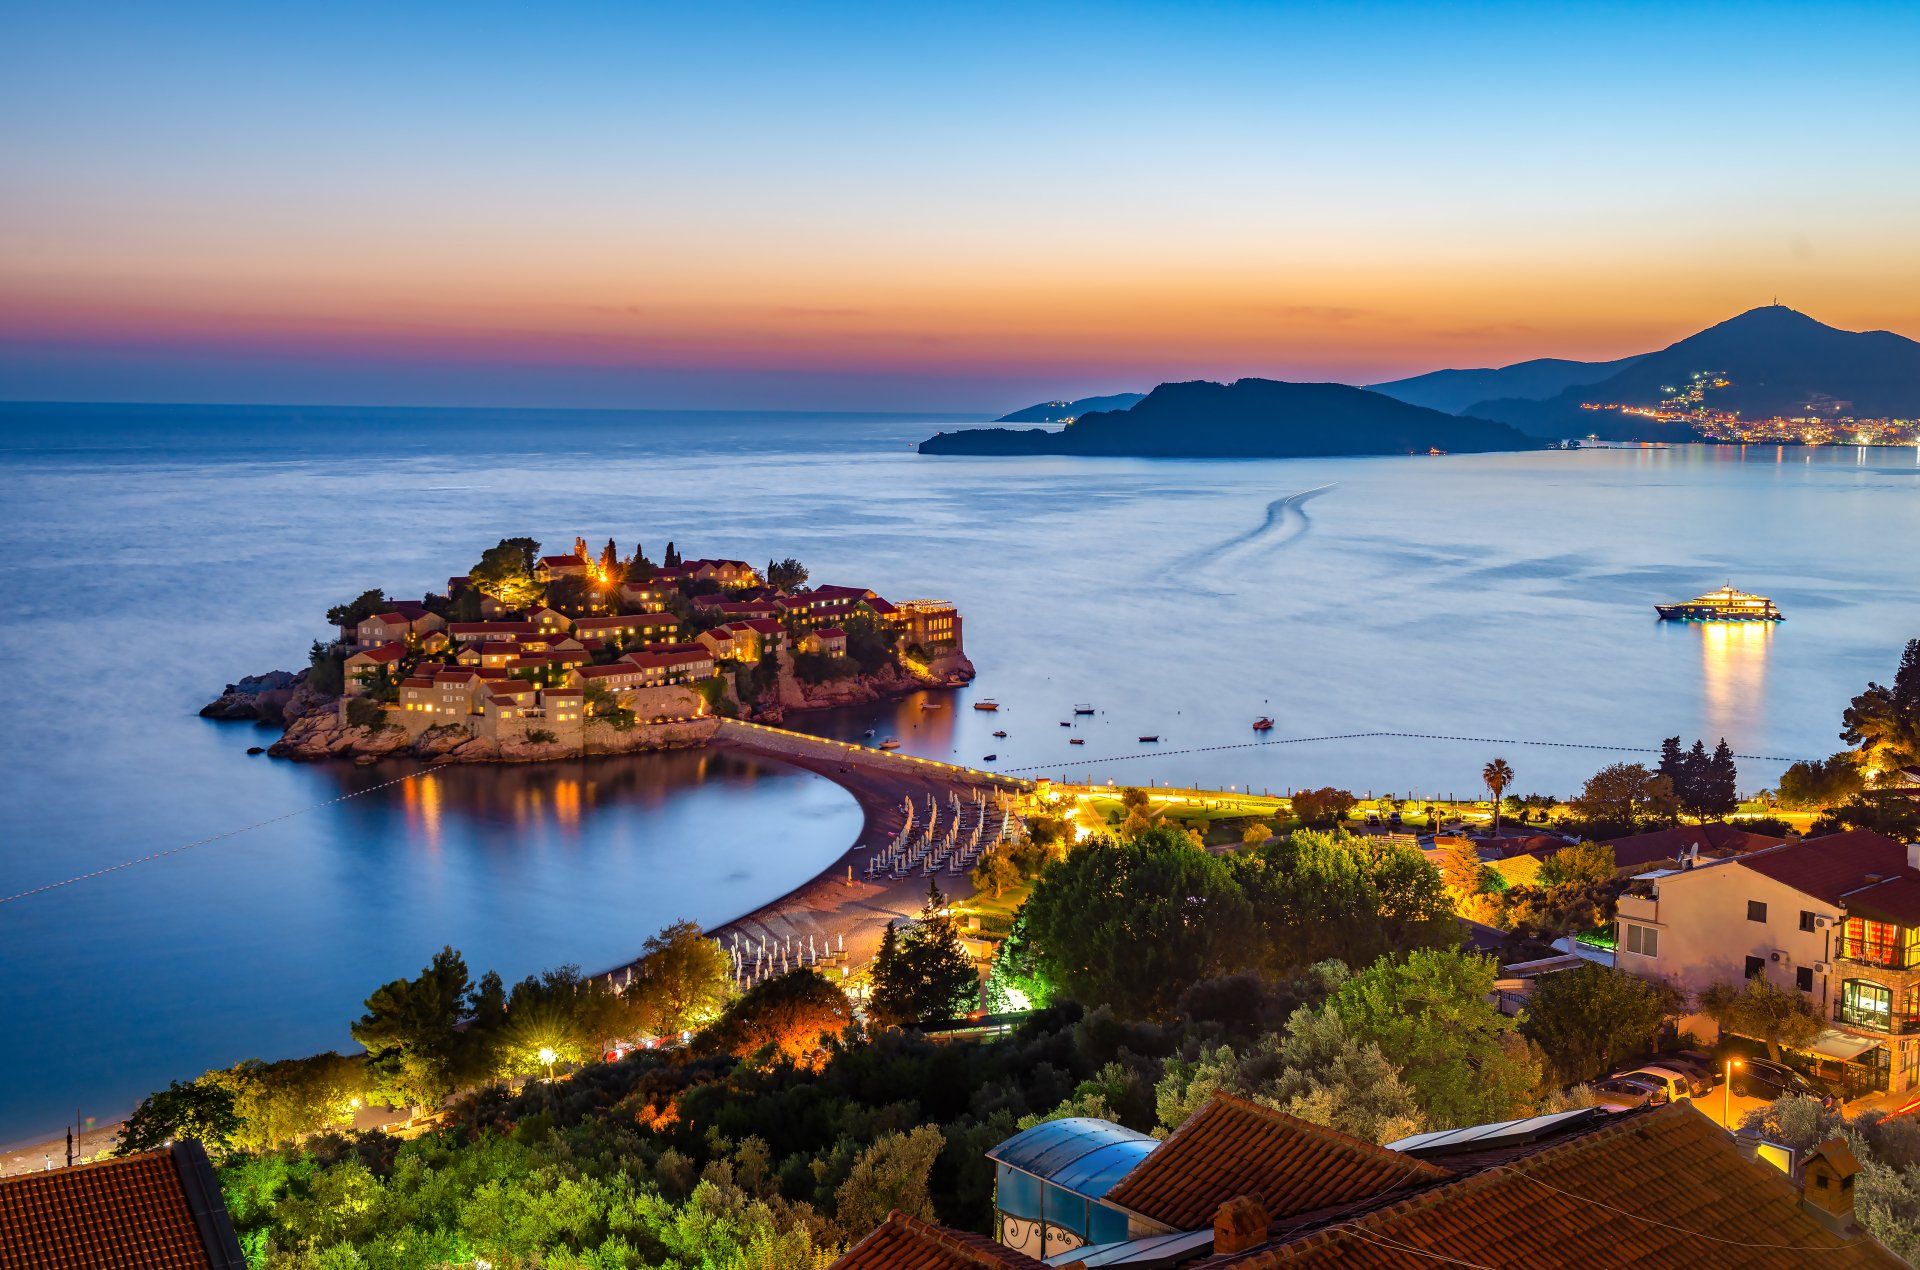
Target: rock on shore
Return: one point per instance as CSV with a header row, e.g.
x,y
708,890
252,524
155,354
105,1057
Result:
x,y
319,736
274,697
314,729
792,695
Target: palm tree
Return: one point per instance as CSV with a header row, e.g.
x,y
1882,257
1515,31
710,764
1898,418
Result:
x,y
1498,776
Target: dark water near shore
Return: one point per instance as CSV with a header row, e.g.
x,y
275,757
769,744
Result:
x,y
151,555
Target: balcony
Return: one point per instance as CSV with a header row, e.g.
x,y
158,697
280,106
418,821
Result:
x,y
1868,1021
1638,908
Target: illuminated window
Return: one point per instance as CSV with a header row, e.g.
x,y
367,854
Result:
x,y
1870,941
1864,1003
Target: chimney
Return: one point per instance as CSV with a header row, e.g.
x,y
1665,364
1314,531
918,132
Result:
x,y
1913,855
1240,1224
1826,1185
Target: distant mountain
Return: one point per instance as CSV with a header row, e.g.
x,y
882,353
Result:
x,y
1776,362
1250,418
1455,390
1061,411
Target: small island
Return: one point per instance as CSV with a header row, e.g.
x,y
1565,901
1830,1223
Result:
x,y
1247,419
528,657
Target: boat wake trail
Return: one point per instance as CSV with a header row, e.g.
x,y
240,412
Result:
x,y
1285,521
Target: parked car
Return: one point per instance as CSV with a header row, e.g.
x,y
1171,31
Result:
x,y
1765,1079
1624,1093
1678,1084
1696,1062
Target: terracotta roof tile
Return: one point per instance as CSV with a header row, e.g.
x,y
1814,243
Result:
x,y
1641,849
908,1243
1232,1147
1829,867
1655,1190
159,1210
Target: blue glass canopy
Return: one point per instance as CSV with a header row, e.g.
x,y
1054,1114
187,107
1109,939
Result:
x,y
1079,1154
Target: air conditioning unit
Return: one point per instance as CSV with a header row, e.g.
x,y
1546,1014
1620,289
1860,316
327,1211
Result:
x,y
1821,967
1820,922
1778,956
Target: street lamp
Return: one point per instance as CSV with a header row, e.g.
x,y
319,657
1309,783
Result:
x,y
1726,1096
547,1056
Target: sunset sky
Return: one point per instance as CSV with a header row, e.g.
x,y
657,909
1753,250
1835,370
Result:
x,y
921,207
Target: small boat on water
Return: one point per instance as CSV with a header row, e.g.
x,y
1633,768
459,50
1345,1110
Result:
x,y
1263,724
890,744
1724,605
1083,709
1001,735
930,705
868,733
988,704
1066,723
1076,740
1145,739
989,758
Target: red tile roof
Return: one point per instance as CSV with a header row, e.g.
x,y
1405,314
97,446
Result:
x,y
1641,849
908,1243
385,652
605,672
159,1210
1233,1147
1827,868
1654,1190
490,628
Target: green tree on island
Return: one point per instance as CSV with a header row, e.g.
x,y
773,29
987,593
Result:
x,y
785,575
505,573
925,974
355,611
1497,776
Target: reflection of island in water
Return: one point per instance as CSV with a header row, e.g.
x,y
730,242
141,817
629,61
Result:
x,y
1733,665
538,799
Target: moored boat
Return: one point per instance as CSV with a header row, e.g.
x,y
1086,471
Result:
x,y
1724,605
1154,737
989,758
988,704
1083,709
1263,724
890,744
1076,740
1001,735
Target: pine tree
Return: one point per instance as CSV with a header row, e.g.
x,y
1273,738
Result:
x,y
1720,794
925,974
1673,763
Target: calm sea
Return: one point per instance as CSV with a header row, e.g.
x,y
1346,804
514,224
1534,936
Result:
x,y
150,555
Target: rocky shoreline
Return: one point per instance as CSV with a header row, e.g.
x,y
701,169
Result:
x,y
313,729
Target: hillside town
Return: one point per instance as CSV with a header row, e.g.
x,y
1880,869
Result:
x,y
530,655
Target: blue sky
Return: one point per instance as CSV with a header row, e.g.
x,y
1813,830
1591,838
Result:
x,y
940,207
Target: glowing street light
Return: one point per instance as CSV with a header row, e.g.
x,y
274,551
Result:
x,y
1726,1095
547,1056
